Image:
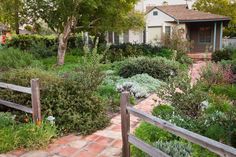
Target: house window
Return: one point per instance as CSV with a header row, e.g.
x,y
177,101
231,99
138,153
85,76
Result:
x,y
155,13
167,30
205,34
110,37
116,38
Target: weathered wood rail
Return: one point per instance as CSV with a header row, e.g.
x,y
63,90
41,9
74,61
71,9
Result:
x,y
35,98
127,138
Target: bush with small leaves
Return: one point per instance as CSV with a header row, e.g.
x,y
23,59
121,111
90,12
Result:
x,y
158,68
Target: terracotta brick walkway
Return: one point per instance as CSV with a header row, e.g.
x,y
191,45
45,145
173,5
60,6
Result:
x,y
195,70
103,143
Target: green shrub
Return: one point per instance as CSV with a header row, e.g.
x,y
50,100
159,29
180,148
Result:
x,y
27,136
159,68
43,46
6,119
225,54
183,58
163,111
14,58
150,134
227,90
72,101
111,95
186,99
174,148
122,51
40,50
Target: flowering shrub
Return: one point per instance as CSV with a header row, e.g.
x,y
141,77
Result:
x,y
214,73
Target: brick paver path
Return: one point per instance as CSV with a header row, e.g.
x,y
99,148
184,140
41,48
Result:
x,y
103,143
195,70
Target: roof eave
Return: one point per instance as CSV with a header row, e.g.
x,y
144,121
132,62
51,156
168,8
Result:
x,y
204,20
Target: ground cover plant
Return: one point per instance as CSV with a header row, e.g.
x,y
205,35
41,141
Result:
x,y
14,135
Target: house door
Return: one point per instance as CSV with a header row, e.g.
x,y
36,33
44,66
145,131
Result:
x,y
154,34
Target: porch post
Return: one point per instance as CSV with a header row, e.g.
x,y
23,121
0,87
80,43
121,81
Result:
x,y
221,34
214,44
146,34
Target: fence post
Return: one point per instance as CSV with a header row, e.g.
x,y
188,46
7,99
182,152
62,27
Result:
x,y
35,98
125,124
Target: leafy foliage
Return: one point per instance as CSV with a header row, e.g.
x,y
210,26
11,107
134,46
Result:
x,y
122,51
159,68
174,148
214,73
227,53
14,58
72,100
139,85
29,136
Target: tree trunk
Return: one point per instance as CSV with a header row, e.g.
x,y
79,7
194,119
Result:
x,y
63,40
17,17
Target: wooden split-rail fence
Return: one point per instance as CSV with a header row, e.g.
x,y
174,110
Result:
x,y
35,98
127,138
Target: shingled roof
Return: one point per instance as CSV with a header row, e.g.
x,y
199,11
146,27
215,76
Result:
x,y
182,13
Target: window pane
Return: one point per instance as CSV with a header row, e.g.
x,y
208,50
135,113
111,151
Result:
x,y
205,34
155,13
167,30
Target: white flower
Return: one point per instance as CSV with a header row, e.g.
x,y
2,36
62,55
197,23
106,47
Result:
x,y
51,119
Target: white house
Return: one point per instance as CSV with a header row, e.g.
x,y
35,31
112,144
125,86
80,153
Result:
x,y
203,29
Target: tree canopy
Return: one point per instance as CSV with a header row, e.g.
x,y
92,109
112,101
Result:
x,y
221,7
97,16
12,13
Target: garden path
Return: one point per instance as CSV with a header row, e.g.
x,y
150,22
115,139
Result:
x,y
195,70
103,143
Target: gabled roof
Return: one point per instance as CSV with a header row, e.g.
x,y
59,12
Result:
x,y
182,13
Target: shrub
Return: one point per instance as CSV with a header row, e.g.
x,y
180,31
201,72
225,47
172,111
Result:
x,y
163,111
225,54
227,90
176,42
43,46
6,119
214,73
122,51
14,58
41,50
72,101
174,148
159,68
150,134
185,98
140,85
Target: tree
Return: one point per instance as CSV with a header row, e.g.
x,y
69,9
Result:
x,y
12,13
67,16
221,7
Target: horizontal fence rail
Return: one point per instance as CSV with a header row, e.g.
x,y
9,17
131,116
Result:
x,y
214,146
35,99
15,88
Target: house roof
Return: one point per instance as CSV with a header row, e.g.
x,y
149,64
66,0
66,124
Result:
x,y
182,13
